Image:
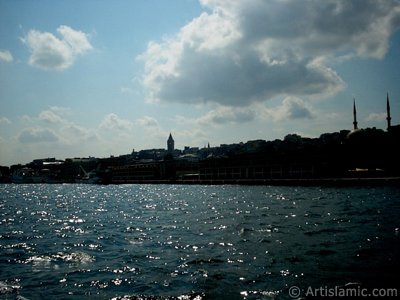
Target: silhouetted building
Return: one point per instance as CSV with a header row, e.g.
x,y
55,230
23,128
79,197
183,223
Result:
x,y
388,118
354,115
170,144
361,152
356,132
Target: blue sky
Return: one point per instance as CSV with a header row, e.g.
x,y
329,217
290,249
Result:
x,y
80,78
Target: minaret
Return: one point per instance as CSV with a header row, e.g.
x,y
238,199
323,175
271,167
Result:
x,y
170,144
388,118
355,115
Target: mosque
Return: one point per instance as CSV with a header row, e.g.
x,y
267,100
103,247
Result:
x,y
356,132
371,148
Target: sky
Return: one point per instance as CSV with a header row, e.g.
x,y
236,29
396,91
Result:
x,y
101,78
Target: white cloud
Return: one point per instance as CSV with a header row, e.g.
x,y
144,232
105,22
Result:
x,y
376,117
77,40
63,130
52,53
6,56
55,115
50,116
61,110
26,119
292,108
75,134
147,121
37,135
193,137
223,115
112,121
245,52
5,121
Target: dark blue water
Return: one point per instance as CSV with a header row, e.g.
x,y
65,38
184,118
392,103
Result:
x,y
194,242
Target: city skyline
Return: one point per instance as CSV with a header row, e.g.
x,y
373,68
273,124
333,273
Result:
x,y
98,79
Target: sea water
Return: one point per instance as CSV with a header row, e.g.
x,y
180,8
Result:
x,y
194,242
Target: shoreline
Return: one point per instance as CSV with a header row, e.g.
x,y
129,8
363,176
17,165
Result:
x,y
336,181
378,181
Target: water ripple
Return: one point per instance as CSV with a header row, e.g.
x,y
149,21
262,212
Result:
x,y
193,242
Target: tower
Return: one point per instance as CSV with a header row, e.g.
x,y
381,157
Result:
x,y
170,144
355,115
388,118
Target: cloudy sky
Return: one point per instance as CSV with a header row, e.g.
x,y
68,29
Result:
x,y
98,78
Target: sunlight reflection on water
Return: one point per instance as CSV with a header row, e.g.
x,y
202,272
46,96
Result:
x,y
236,242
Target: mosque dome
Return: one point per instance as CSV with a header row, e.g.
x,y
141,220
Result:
x,y
355,134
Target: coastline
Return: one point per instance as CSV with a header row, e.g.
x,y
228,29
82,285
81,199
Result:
x,y
377,181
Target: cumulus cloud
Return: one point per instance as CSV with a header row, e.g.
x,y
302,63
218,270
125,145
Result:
x,y
295,108
292,108
50,116
223,115
5,121
147,121
77,40
6,56
49,52
74,134
242,52
54,115
376,117
112,121
37,135
193,136
316,27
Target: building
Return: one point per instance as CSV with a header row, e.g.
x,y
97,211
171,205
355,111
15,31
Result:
x,y
388,118
170,144
140,171
355,127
